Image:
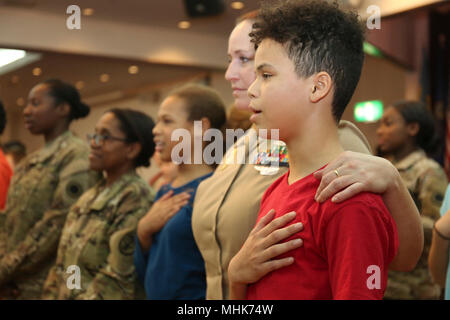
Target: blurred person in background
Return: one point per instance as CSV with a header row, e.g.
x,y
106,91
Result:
x,y
406,132
6,171
43,188
98,236
439,258
14,151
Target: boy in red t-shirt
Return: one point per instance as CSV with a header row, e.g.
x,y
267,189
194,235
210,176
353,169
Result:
x,y
308,63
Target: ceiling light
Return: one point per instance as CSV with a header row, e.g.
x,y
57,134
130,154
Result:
x,y
237,5
104,77
37,71
184,24
15,79
8,56
20,102
88,12
133,69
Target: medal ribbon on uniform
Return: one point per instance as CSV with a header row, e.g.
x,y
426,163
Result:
x,y
272,155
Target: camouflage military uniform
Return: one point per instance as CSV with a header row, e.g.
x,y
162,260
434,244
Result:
x,y
427,183
99,238
43,188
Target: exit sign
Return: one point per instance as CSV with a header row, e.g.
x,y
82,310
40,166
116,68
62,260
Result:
x,y
368,111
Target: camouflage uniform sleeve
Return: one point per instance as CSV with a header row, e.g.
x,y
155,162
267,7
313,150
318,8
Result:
x,y
2,234
52,284
42,240
431,192
2,219
117,279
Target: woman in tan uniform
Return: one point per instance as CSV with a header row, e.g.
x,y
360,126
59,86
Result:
x,y
226,205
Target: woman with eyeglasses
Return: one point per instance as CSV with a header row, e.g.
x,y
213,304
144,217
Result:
x,y
98,237
43,188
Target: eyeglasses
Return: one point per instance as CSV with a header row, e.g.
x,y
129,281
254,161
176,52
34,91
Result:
x,y
99,139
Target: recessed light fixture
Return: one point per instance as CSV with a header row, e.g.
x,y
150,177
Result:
x,y
11,59
37,71
79,85
88,12
15,79
237,5
133,69
104,77
184,24
20,102
8,56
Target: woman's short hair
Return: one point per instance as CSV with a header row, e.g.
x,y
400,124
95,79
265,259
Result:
x,y
202,102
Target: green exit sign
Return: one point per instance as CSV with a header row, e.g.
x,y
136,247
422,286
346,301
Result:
x,y
368,111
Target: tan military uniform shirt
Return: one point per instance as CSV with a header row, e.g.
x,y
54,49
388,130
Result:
x,y
99,239
427,182
43,188
227,204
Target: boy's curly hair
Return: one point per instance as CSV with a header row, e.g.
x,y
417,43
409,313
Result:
x,y
318,36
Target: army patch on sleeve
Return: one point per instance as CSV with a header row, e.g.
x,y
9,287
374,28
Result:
x,y
74,189
126,244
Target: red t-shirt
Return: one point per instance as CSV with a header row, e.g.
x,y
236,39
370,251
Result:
x,y
347,247
5,178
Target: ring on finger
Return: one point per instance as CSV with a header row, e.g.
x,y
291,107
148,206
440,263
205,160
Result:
x,y
336,172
